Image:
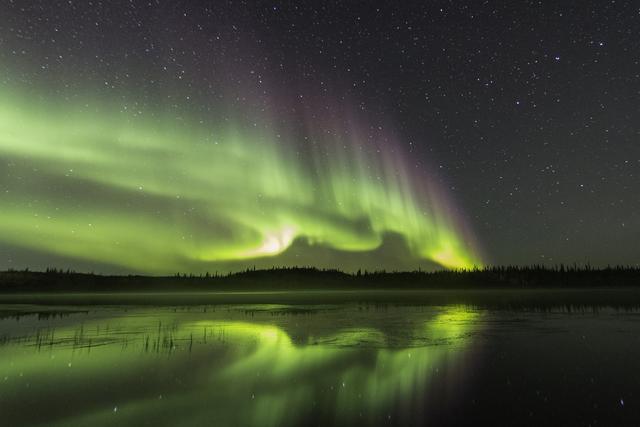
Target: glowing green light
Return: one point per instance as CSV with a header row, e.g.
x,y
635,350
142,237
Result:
x,y
159,195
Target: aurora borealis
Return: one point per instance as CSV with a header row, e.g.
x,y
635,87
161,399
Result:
x,y
319,212
158,195
156,137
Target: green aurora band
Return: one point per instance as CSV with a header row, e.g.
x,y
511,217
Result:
x,y
156,194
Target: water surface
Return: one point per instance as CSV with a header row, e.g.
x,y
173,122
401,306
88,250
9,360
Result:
x,y
344,364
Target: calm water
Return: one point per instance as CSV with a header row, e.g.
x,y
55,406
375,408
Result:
x,y
270,365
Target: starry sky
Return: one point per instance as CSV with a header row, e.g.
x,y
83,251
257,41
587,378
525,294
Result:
x,y
170,136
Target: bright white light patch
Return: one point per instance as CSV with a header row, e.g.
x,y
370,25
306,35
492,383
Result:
x,y
274,243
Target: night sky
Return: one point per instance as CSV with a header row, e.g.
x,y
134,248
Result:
x,y
200,136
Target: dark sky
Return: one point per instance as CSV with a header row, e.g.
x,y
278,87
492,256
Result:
x,y
527,112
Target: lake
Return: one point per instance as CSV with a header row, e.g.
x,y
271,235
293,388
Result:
x,y
341,364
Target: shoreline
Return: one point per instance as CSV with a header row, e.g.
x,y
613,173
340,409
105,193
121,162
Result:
x,y
538,298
